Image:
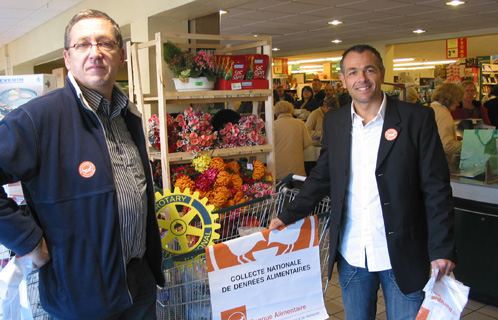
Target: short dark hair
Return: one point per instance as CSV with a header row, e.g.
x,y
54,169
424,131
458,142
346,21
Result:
x,y
89,14
360,48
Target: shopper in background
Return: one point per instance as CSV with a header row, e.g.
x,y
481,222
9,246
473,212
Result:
x,y
314,124
492,106
81,156
318,92
329,91
279,94
291,138
411,95
470,108
383,167
315,120
307,103
445,100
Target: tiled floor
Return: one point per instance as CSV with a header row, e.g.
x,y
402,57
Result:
x,y
333,302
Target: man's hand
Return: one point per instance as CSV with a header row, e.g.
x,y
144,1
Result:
x,y
40,255
275,223
444,266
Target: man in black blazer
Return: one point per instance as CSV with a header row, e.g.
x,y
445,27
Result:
x,y
383,166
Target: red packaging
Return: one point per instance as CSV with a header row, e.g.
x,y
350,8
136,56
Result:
x,y
239,68
258,65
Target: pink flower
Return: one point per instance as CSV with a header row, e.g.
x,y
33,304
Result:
x,y
253,135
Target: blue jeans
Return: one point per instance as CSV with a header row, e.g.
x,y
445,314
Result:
x,y
359,294
143,290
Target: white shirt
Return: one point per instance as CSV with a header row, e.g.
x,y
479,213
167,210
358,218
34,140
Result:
x,y
363,230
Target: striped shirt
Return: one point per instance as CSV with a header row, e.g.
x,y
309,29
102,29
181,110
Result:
x,y
129,176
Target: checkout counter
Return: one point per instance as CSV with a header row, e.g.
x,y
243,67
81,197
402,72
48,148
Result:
x,y
476,231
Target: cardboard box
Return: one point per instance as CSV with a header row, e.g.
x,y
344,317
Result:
x,y
222,84
17,90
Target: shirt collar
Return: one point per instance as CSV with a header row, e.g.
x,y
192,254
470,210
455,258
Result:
x,y
93,100
380,115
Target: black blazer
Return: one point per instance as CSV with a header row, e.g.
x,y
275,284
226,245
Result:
x,y
414,189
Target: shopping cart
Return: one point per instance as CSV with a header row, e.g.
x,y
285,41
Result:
x,y
186,293
32,287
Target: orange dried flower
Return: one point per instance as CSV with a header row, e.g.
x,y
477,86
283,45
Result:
x,y
258,170
220,196
234,166
222,179
217,163
239,195
185,182
236,181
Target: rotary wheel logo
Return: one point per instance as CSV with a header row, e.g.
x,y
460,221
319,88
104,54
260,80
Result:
x,y
186,222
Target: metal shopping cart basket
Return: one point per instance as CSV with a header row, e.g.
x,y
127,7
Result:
x,y
32,287
186,293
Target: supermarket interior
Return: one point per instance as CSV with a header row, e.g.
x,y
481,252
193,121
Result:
x,y
257,48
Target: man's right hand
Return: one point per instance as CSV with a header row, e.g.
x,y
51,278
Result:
x,y
275,223
40,255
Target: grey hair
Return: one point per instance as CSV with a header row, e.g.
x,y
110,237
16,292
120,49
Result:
x,y
89,14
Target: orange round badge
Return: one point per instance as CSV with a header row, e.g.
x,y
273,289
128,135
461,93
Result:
x,y
391,134
87,169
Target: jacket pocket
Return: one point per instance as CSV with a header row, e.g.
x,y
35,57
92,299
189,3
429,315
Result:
x,y
77,268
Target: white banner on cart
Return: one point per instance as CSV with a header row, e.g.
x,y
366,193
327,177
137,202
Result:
x,y
268,275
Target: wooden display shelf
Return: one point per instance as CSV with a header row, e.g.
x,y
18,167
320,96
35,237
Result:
x,y
239,152
211,96
164,98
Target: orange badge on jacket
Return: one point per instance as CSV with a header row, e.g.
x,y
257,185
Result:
x,y
391,134
87,169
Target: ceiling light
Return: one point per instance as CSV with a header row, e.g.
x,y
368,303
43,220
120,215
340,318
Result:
x,y
316,60
276,49
223,12
424,63
455,3
313,66
403,59
335,22
308,71
418,31
414,68
336,41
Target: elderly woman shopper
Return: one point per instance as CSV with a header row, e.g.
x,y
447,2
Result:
x,y
314,126
445,99
291,138
469,108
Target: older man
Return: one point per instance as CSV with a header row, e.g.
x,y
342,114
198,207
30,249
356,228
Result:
x,y
81,156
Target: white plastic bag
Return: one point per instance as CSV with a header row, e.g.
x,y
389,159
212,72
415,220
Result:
x,y
14,302
444,299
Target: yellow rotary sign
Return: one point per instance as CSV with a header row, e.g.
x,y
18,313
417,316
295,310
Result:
x,y
187,222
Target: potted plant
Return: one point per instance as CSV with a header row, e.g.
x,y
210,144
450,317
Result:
x,y
190,71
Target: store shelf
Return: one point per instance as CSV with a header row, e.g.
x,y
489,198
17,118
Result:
x,y
240,152
212,96
164,98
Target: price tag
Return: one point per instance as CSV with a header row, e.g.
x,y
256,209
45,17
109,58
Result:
x,y
236,86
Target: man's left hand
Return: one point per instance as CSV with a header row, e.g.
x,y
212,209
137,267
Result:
x,y
444,266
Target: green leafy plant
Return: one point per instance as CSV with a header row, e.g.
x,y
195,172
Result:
x,y
187,65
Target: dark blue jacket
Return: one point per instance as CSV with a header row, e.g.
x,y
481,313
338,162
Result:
x,y
42,144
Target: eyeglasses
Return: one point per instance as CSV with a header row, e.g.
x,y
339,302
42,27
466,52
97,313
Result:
x,y
102,45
